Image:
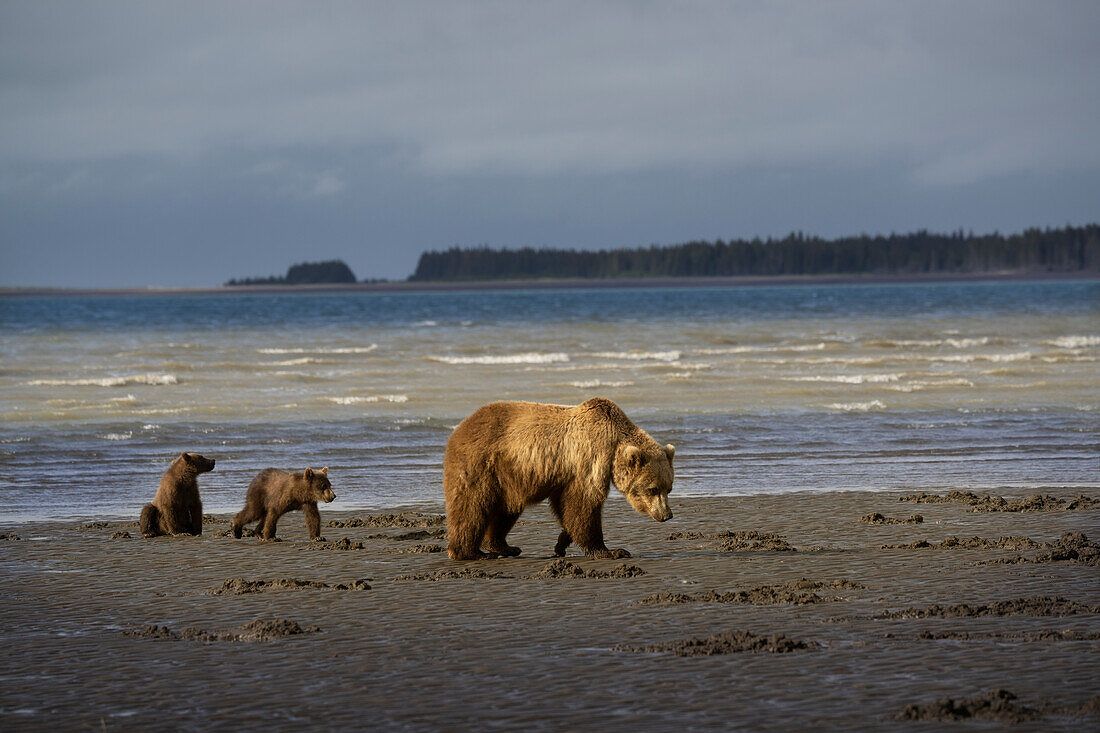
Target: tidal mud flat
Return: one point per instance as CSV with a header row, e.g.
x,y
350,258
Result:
x,y
775,613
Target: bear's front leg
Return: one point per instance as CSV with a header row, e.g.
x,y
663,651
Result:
x,y
313,522
583,522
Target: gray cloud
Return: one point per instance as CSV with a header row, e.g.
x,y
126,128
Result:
x,y
332,109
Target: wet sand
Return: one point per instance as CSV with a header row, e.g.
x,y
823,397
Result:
x,y
763,613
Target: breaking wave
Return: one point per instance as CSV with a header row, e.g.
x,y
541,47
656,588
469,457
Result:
x,y
369,399
531,357
321,350
152,379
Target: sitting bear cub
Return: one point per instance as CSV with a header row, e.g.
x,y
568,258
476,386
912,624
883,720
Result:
x,y
508,455
176,509
273,493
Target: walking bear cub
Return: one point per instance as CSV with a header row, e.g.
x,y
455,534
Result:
x,y
508,455
273,493
176,509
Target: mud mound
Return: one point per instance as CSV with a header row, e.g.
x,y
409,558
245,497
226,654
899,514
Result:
x,y
562,568
997,705
258,630
1071,547
95,525
340,544
876,518
464,573
420,549
1044,635
795,593
990,503
688,536
9,537
1032,606
245,532
121,535
745,540
240,586
404,519
420,534
728,642
1013,542
211,519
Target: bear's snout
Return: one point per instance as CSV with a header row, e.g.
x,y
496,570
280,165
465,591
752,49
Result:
x,y
329,495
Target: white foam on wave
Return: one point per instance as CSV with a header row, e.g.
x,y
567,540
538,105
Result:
x,y
150,379
1074,342
117,436
531,357
666,356
295,362
921,385
594,383
851,378
320,350
820,346
858,406
397,398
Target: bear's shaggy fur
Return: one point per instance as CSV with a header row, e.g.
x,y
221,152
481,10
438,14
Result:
x,y
273,493
176,509
508,455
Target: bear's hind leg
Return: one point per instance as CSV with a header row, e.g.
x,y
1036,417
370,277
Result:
x,y
466,523
243,517
150,521
499,526
270,521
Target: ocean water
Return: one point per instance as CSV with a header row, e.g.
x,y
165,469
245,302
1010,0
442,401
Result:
x,y
814,388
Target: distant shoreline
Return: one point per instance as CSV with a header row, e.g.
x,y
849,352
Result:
x,y
406,286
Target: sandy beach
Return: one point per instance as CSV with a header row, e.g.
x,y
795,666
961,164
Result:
x,y
759,612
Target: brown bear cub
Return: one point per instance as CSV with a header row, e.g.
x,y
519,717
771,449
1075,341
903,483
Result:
x,y
273,493
508,455
176,508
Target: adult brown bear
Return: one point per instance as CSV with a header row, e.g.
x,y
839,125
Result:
x,y
508,455
176,509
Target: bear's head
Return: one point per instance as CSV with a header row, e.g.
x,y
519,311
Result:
x,y
196,463
319,486
644,475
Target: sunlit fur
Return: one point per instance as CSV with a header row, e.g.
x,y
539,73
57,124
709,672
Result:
x,y
508,455
273,493
176,508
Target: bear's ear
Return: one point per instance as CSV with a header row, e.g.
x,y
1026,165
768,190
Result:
x,y
633,456
670,451
324,470
309,474
186,456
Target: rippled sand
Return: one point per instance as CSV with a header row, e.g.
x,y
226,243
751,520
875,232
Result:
x,y
507,643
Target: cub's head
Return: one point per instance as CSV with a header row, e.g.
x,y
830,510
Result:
x,y
196,462
319,485
644,475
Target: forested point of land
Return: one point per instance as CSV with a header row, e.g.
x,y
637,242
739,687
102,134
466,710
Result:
x,y
1069,249
305,273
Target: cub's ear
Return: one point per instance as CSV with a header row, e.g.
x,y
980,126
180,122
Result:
x,y
670,451
324,470
309,474
633,456
186,456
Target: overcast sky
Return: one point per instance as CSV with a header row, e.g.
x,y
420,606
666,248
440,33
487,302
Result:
x,y
185,143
